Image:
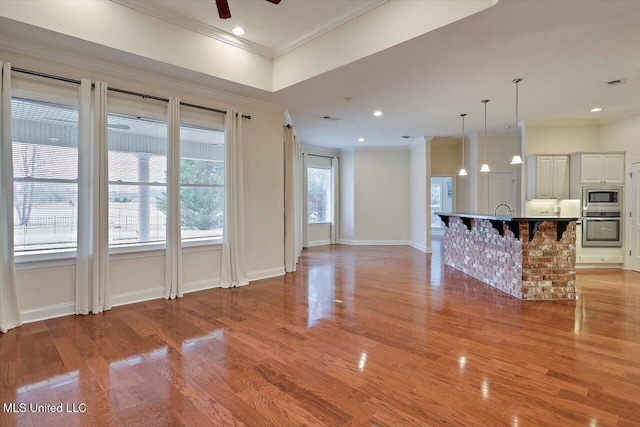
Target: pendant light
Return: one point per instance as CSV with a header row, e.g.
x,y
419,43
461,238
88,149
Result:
x,y
517,160
463,171
485,166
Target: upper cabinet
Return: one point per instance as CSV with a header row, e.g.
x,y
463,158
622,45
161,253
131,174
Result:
x,y
548,177
601,168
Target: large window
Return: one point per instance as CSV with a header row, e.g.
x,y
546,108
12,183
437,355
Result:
x,y
201,182
318,195
45,174
137,179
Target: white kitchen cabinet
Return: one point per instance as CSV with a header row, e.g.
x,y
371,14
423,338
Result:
x,y
601,168
548,177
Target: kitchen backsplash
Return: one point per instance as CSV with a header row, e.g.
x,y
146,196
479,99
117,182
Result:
x,y
552,207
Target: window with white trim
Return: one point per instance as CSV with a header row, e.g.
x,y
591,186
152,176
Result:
x,y
201,182
45,174
318,195
137,179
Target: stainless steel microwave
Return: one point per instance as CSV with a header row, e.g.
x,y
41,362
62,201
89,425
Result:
x,y
602,199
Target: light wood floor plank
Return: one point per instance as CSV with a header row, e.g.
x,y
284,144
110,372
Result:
x,y
410,342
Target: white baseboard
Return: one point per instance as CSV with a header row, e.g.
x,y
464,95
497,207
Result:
x,y
265,274
318,243
421,248
375,242
47,312
136,296
200,285
68,308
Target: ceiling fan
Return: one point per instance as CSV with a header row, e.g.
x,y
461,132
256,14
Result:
x,y
223,8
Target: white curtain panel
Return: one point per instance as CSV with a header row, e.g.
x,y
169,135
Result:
x,y
9,310
233,269
305,203
92,264
290,201
335,201
300,222
173,282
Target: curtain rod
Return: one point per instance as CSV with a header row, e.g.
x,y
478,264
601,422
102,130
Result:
x,y
320,155
113,89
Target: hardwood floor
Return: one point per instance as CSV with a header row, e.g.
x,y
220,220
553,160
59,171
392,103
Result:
x,y
383,336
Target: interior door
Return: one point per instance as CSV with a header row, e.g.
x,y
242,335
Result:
x,y
501,190
634,219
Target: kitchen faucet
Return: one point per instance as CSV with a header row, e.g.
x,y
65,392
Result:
x,y
495,210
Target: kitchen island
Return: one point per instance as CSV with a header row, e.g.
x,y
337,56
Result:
x,y
531,258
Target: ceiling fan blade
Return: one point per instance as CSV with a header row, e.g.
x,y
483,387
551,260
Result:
x,y
274,1
223,9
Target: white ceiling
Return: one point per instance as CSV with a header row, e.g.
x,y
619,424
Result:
x,y
564,50
268,25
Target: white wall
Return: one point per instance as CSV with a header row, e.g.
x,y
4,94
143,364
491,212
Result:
x,y
318,234
382,196
560,139
347,196
621,135
95,21
418,196
141,276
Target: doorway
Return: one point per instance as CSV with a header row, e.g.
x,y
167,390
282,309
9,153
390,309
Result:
x,y
441,201
501,190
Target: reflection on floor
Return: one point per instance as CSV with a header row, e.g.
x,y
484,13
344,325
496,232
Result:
x,y
358,336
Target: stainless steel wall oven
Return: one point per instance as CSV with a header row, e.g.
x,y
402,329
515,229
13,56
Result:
x,y
602,229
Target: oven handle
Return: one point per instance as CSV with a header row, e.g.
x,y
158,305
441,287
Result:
x,y
617,218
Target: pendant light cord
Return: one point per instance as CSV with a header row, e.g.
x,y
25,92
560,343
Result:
x,y
517,81
462,115
485,101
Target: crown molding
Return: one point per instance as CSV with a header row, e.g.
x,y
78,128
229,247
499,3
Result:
x,y
194,25
360,8
287,118
74,60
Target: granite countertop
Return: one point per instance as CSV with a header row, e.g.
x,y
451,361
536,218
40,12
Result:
x,y
509,218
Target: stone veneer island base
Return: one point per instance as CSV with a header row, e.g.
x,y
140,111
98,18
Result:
x,y
528,258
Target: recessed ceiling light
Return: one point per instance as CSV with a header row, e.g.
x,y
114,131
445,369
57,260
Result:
x,y
595,109
238,31
360,139
377,113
